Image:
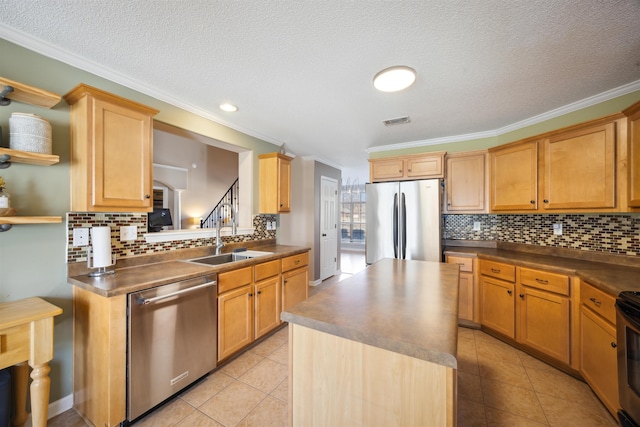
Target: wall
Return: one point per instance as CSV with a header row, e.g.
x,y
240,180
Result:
x,y
301,227
602,109
33,257
214,172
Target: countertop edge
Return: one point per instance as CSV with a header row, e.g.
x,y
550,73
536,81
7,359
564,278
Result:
x,y
91,284
589,271
439,357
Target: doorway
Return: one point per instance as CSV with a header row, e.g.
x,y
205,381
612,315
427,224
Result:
x,y
328,227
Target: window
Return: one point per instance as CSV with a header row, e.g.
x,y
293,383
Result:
x,y
353,213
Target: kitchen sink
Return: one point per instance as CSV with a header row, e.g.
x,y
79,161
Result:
x,y
227,258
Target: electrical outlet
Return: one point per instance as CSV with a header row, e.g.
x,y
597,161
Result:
x,y
476,225
129,232
273,225
80,236
557,229
268,225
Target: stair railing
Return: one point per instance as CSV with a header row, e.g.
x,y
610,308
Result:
x,y
231,197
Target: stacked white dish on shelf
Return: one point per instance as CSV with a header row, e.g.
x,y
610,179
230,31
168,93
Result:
x,y
28,132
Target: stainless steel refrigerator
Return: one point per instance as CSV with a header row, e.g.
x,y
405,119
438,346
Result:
x,y
403,220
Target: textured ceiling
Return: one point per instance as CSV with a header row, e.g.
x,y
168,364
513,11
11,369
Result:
x,y
301,71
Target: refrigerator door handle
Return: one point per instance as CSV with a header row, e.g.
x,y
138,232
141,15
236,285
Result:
x,y
404,227
395,225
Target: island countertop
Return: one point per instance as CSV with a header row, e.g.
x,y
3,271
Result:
x,y
404,306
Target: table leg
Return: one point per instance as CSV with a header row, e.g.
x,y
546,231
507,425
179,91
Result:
x,y
20,380
40,394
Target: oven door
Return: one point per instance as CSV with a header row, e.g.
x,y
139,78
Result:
x,y
628,334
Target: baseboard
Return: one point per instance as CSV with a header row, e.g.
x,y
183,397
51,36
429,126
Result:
x,y
56,408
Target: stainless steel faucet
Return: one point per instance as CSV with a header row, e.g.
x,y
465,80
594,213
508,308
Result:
x,y
219,242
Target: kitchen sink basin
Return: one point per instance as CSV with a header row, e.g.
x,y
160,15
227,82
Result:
x,y
227,258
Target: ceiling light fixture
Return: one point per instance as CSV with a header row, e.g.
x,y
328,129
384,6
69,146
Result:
x,y
394,79
230,108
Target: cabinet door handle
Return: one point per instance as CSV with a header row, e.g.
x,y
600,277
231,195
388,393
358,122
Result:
x,y
595,301
522,296
532,202
408,170
259,292
546,200
495,270
542,281
147,196
284,283
509,291
250,295
614,345
400,171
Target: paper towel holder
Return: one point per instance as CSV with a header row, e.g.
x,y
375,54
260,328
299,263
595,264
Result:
x,y
102,271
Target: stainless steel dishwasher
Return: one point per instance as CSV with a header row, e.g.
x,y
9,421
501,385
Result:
x,y
171,340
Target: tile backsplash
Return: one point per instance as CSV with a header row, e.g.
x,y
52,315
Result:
x,y
612,234
140,246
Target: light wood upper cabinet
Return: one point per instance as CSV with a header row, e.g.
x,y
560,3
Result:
x,y
514,177
465,182
275,183
569,170
419,166
111,152
633,129
579,169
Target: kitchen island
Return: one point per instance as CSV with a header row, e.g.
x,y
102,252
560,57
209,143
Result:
x,y
377,349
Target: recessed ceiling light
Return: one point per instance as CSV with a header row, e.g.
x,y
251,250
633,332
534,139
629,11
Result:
x,y
228,108
393,79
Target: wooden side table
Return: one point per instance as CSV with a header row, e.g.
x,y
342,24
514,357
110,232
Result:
x,y
26,335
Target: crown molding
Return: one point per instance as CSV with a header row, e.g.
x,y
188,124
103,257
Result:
x,y
570,108
49,50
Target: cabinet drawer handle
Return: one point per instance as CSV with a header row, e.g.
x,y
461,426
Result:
x,y
509,291
297,262
614,345
595,301
542,281
495,270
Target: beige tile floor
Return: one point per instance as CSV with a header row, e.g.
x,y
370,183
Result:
x,y
498,385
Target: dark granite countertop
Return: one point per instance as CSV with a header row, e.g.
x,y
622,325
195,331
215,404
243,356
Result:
x,y
144,276
408,307
609,277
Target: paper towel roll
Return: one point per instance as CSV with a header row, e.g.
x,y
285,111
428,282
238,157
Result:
x,y
101,241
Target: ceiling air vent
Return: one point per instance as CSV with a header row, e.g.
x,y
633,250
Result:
x,y
397,121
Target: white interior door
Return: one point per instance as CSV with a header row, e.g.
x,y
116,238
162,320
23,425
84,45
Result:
x,y
328,227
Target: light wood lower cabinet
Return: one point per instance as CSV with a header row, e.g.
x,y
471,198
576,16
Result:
x,y
598,345
295,287
497,304
99,357
295,279
235,321
235,311
267,296
544,322
468,305
531,307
